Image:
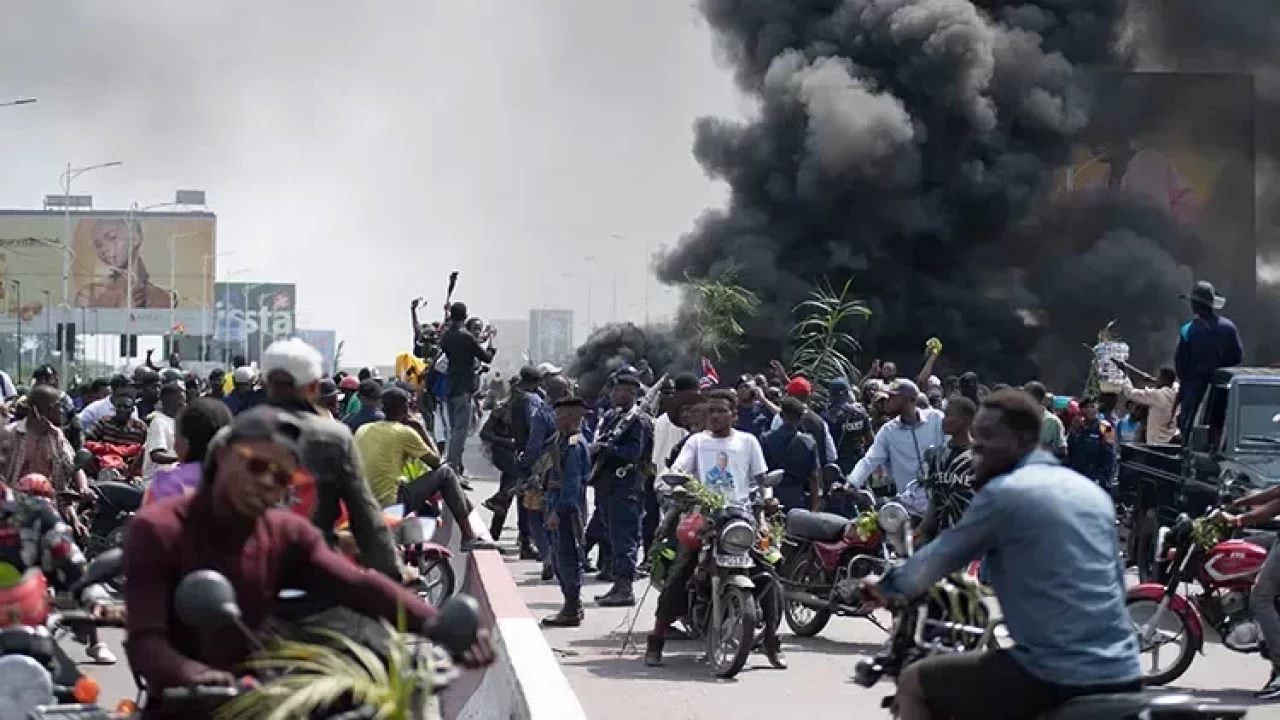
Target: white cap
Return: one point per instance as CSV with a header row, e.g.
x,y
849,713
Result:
x,y
242,375
547,368
295,358
934,382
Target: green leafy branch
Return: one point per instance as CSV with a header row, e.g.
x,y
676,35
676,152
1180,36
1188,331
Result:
x,y
824,349
719,306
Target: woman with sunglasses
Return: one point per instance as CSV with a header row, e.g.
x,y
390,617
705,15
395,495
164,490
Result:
x,y
234,524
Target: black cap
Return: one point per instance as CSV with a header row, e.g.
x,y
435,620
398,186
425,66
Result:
x,y
270,424
328,388
628,381
370,390
569,401
44,371
530,375
118,381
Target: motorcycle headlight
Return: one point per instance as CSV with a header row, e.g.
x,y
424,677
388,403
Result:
x,y
24,686
893,517
737,538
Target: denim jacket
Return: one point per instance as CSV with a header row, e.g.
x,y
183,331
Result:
x,y
1049,539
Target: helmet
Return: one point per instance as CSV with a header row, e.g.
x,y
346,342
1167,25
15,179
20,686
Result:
x,y
35,484
169,375
24,597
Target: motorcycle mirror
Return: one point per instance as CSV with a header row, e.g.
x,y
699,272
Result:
x,y
772,478
674,479
107,566
457,624
206,598
831,474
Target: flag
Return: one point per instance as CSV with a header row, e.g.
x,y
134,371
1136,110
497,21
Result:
x,y
710,378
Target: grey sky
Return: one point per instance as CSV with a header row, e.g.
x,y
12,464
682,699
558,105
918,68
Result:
x,y
363,150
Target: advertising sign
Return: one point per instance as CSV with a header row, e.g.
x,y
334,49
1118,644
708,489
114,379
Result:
x,y
550,335
326,341
248,317
158,257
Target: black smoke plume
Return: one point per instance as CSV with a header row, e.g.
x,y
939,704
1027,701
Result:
x,y
615,345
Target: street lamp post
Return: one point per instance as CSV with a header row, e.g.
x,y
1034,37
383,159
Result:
x,y
17,292
15,103
67,178
648,252
48,323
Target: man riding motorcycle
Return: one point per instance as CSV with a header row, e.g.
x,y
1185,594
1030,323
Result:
x,y
1048,535
33,535
234,524
1262,599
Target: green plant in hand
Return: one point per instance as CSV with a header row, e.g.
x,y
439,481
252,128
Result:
x,y
1207,532
323,675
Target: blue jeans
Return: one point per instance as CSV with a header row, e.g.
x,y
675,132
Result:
x,y
459,429
567,558
625,503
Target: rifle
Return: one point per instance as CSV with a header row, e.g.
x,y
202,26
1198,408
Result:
x,y
621,428
448,295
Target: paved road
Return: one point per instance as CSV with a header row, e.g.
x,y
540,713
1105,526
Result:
x,y
612,681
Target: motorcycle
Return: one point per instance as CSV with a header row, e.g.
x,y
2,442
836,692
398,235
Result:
x,y
732,576
35,673
1224,565
821,550
206,599
106,513
953,618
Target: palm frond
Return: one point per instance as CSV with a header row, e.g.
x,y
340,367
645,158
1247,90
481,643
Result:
x,y
316,676
823,347
719,306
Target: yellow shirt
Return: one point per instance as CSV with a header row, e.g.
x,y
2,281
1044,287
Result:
x,y
384,448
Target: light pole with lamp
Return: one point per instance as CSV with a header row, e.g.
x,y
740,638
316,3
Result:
x,y
648,253
17,293
206,282
48,323
69,177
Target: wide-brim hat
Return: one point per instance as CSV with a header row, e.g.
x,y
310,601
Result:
x,y
1204,294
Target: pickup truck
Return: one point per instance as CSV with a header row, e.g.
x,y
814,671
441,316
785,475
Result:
x,y
1235,436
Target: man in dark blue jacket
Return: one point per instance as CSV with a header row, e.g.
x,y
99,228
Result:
x,y
1091,447
1205,343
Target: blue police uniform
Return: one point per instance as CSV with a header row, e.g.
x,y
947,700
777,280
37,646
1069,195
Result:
x,y
753,418
542,426
1091,452
628,441
796,454
565,487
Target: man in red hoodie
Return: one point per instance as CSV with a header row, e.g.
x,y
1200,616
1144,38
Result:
x,y
233,524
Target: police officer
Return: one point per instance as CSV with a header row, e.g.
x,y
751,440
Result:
x,y
620,456
1091,448
566,481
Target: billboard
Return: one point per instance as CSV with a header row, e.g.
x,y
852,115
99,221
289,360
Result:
x,y
248,317
326,341
550,335
158,257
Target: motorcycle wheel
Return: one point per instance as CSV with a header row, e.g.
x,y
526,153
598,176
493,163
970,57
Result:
x,y
732,635
1145,609
436,580
805,621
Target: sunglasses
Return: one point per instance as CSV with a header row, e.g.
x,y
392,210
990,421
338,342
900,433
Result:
x,y
258,465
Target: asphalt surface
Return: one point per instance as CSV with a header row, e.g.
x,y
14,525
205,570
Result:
x,y
602,659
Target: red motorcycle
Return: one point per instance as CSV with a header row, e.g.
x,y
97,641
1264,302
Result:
x,y
1223,569
822,550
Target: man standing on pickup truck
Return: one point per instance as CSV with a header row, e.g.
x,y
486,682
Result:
x,y
1205,343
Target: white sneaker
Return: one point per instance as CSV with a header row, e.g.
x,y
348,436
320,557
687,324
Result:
x,y
101,654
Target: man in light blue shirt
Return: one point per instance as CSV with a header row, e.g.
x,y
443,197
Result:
x,y
1048,536
901,444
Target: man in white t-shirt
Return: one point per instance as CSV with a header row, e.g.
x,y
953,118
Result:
x,y
731,462
725,460
159,453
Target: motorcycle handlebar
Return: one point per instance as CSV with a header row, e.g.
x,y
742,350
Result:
x,y
74,617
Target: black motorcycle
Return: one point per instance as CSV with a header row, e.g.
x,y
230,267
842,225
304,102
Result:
x,y
953,618
733,576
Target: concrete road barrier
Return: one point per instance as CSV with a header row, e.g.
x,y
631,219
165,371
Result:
x,y
526,681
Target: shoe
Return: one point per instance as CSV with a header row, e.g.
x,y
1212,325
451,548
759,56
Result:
x,y
101,654
548,571
620,595
527,552
478,544
588,567
653,651
465,484
493,505
568,617
773,651
1271,690
604,575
